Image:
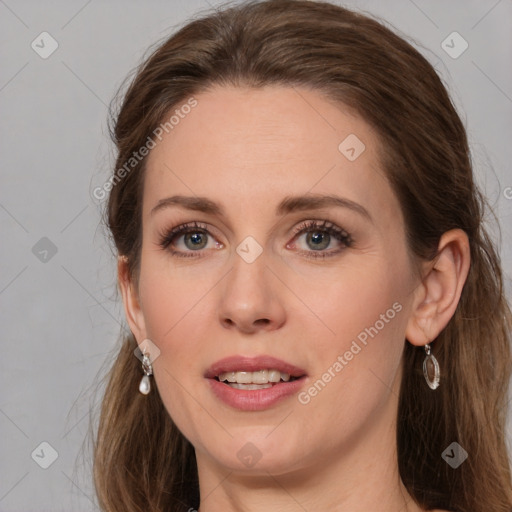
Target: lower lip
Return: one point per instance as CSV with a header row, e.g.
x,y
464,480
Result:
x,y
255,399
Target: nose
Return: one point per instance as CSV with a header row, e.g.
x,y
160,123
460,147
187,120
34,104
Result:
x,y
251,299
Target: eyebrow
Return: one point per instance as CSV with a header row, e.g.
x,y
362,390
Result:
x,y
289,204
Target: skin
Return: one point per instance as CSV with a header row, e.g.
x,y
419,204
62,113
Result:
x,y
247,149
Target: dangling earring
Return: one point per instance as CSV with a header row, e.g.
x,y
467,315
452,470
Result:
x,y
430,365
145,385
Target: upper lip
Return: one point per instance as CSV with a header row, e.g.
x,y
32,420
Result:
x,y
252,364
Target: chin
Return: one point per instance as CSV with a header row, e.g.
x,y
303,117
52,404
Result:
x,y
254,452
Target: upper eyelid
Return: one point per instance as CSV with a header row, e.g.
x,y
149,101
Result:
x,y
300,228
320,223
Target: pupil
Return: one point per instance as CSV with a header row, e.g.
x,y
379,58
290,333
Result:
x,y
195,238
317,238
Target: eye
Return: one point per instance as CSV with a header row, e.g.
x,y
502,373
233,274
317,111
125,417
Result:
x,y
195,237
319,236
191,239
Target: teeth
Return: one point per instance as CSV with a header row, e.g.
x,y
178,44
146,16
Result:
x,y
259,377
250,387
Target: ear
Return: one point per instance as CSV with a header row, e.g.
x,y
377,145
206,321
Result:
x,y
132,308
437,296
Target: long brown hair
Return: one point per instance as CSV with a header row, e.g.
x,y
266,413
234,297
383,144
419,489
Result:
x,y
141,460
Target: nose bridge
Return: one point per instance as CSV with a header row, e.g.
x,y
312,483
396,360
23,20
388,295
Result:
x,y
249,275
250,297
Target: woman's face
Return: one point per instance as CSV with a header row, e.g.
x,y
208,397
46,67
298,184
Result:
x,y
273,270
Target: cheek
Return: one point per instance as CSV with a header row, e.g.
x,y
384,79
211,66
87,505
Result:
x,y
178,304
172,306
351,299
364,316
168,295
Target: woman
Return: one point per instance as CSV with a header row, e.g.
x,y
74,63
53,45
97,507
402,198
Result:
x,y
316,309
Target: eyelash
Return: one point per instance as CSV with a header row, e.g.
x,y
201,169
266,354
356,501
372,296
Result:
x,y
166,238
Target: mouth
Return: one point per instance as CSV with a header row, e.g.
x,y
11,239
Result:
x,y
261,379
254,383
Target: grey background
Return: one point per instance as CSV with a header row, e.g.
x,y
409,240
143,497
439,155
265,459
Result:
x,y
60,317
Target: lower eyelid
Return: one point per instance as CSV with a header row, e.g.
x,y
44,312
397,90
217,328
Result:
x,y
341,236
324,253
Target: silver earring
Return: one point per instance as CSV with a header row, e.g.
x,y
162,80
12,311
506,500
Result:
x,y
145,385
430,365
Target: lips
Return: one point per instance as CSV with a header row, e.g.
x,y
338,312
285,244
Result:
x,y
254,397
252,364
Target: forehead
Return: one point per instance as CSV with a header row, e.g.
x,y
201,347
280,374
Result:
x,y
247,148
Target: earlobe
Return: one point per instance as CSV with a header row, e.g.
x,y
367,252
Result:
x,y
131,302
438,294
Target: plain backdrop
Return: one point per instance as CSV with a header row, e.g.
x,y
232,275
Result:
x,y
60,316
